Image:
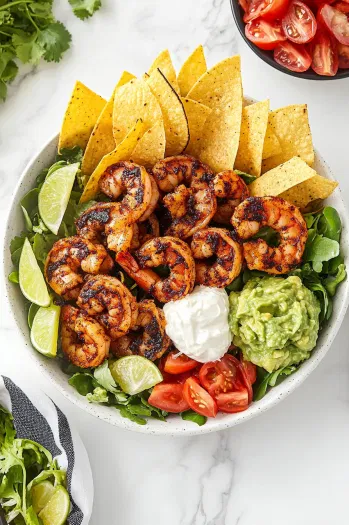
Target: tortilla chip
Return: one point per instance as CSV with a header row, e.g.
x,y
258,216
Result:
x,y
282,178
122,152
151,147
291,126
252,134
134,101
197,115
81,115
164,63
312,190
175,120
220,89
271,144
125,77
193,68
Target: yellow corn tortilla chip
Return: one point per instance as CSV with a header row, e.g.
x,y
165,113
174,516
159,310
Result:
x,y
252,134
134,101
271,144
81,115
125,77
122,152
193,68
282,178
291,127
197,115
151,147
220,89
175,120
164,63
316,188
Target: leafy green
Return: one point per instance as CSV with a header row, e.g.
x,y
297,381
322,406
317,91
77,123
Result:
x,y
332,281
99,395
190,415
14,277
70,155
247,178
329,224
269,379
85,8
104,378
83,382
33,308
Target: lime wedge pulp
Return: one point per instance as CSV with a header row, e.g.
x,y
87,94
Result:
x,y
57,509
135,374
44,332
54,195
41,494
31,280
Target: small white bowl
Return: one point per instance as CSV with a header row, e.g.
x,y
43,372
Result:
x,y
175,425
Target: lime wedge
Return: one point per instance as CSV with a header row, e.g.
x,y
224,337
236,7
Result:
x,y
57,509
31,280
41,494
135,374
44,332
54,195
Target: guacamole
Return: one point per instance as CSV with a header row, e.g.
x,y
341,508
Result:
x,y
275,321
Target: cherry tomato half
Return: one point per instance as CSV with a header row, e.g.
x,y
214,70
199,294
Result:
x,y
169,397
264,34
177,364
343,56
226,375
299,23
342,6
336,22
268,9
233,401
250,369
324,54
198,399
292,56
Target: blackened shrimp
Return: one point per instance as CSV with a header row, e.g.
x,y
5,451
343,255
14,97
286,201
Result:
x,y
69,259
149,338
216,243
230,190
285,218
155,195
173,171
144,231
84,341
110,302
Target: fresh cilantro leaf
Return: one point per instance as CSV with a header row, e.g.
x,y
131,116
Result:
x,y
27,47
85,8
3,90
54,40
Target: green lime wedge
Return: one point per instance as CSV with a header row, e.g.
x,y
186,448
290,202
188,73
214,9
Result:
x,y
41,494
57,509
54,195
135,374
31,280
44,332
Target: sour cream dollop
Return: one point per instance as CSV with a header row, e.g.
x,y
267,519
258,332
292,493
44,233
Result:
x,y
198,324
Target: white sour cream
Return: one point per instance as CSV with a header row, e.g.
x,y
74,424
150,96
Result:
x,y
198,324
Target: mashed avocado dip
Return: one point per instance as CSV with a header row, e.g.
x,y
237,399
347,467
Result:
x,y
275,321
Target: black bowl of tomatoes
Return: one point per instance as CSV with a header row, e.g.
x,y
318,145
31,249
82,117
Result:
x,y
307,39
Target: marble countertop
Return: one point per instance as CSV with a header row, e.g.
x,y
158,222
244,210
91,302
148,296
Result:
x,y
290,465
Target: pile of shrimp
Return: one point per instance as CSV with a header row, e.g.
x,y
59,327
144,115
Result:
x,y
180,215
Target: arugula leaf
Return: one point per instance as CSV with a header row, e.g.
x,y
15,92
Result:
x,y
331,282
330,224
190,415
54,41
82,382
125,412
85,8
269,379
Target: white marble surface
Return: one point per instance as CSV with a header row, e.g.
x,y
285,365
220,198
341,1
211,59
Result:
x,y
289,466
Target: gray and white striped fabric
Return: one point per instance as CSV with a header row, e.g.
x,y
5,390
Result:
x,y
36,417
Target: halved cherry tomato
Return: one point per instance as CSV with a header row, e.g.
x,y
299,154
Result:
x,y
336,22
233,401
177,364
268,9
198,399
343,56
324,54
292,56
299,23
251,370
264,34
342,6
224,376
175,378
169,397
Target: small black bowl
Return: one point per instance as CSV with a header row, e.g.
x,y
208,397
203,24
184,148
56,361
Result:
x,y
267,56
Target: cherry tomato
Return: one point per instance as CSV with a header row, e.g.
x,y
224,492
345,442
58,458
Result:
x,y
324,54
177,364
264,34
343,56
342,6
169,397
198,399
251,370
174,378
336,22
292,56
299,23
233,401
268,9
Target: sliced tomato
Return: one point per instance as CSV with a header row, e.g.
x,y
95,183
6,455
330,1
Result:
x,y
233,401
177,364
251,370
343,56
268,9
299,23
198,399
169,397
324,54
264,34
336,22
342,6
292,56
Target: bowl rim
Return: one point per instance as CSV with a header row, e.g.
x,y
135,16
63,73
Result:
x,y
275,395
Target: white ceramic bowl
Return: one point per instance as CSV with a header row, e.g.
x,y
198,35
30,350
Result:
x,y
175,425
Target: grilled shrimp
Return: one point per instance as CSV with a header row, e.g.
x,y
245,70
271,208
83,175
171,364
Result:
x,y
254,213
172,171
155,195
230,190
131,181
150,339
110,302
167,251
216,242
144,231
84,341
69,259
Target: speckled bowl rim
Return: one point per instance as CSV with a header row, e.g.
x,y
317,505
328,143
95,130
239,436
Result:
x,y
175,425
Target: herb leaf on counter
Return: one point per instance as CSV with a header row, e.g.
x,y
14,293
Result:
x,y
85,8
